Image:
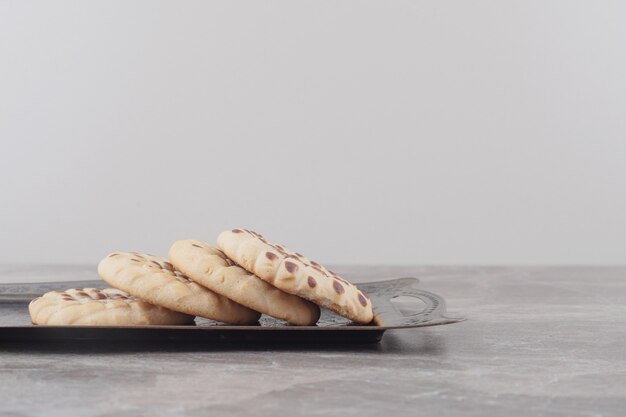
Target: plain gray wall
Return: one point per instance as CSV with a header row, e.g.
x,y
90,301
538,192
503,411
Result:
x,y
396,132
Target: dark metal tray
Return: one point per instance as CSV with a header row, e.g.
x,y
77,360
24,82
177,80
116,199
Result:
x,y
394,303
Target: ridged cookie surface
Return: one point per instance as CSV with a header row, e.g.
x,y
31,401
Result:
x,y
95,307
209,267
295,274
157,281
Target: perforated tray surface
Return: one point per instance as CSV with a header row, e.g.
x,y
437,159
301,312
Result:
x,y
15,324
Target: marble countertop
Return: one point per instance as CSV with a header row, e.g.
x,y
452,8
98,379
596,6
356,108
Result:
x,y
540,341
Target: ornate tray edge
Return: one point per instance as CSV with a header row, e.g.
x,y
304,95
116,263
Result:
x,y
386,314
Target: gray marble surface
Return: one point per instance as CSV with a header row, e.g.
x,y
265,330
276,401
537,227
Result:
x,y
538,342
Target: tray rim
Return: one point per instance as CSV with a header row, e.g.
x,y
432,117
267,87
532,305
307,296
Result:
x,y
393,283
246,328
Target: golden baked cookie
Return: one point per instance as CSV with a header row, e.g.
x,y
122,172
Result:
x,y
210,268
293,273
95,307
157,281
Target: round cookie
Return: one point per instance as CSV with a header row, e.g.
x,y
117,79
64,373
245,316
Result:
x,y
211,268
94,307
156,280
295,274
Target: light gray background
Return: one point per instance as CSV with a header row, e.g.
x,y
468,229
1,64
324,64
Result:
x,y
391,132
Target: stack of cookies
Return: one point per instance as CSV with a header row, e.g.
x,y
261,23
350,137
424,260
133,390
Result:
x,y
244,277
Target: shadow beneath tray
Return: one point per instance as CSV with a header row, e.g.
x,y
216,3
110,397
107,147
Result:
x,y
420,343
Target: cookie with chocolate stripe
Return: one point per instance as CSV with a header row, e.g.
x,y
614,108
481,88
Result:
x,y
210,268
292,272
95,307
156,280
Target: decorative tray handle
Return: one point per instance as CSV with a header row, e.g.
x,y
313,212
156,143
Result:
x,y
387,314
